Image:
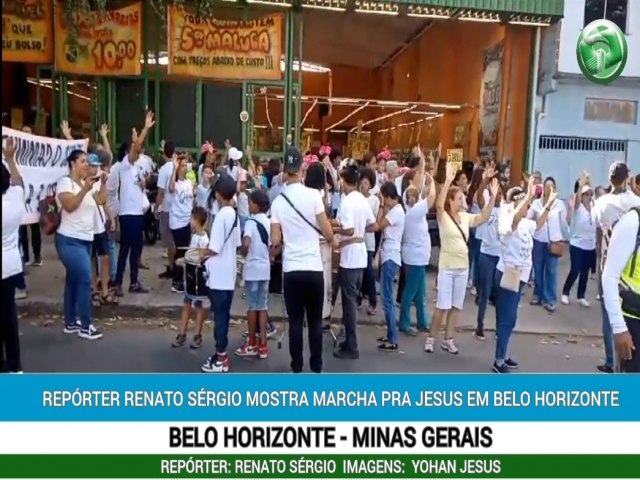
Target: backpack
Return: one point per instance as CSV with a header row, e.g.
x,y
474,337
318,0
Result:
x,y
629,290
49,213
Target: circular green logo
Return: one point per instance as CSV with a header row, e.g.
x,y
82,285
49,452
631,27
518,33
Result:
x,y
602,51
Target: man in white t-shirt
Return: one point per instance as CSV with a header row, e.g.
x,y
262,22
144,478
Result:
x,y
164,200
608,209
354,216
224,241
298,219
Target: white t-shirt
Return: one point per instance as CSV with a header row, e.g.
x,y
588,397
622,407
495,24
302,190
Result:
x,y
243,204
199,240
164,178
233,172
552,228
182,205
146,164
583,229
516,246
131,195
610,207
491,244
416,243
113,200
301,242
392,236
79,223
475,208
202,196
13,211
100,217
370,237
257,265
224,241
355,213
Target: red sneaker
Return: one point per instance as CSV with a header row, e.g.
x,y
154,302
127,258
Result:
x,y
263,350
247,350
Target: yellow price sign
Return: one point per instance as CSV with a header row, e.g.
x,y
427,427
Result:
x,y
455,156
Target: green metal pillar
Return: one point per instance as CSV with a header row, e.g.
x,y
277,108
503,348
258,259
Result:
x,y
298,104
63,88
38,95
245,136
145,55
156,102
250,108
55,119
288,76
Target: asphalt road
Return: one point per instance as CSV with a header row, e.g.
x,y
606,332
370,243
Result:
x,y
141,345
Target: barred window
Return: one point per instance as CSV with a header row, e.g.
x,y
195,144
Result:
x,y
552,142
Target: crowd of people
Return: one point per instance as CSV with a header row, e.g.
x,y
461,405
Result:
x,y
323,225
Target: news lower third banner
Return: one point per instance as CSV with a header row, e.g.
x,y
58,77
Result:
x,y
319,426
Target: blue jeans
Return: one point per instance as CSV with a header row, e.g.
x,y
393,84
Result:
x,y
581,261
21,284
545,279
506,316
369,282
486,284
221,313
113,258
607,333
131,242
388,272
474,256
414,291
75,255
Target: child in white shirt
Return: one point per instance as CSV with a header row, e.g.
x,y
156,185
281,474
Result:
x,y
257,273
200,241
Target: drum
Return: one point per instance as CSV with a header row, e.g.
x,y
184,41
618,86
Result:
x,y
195,275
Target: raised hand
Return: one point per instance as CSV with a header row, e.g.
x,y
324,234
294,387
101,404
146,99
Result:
x,y
452,171
64,128
104,130
531,187
9,148
494,188
149,120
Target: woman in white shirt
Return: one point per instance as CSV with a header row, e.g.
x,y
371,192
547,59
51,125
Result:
x,y
416,249
391,219
13,211
78,202
183,192
514,267
545,264
582,244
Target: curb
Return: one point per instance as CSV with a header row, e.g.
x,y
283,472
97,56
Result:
x,y
39,307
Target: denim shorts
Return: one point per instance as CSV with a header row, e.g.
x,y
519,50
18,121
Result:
x,y
195,301
100,245
257,295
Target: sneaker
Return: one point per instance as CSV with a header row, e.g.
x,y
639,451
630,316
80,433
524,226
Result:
x,y
599,297
511,364
272,330
180,340
263,351
428,344
410,331
177,287
138,288
500,368
479,334
474,291
535,301
72,329
21,294
216,364
565,300
91,333
37,262
549,307
196,343
583,303
247,350
605,368
449,345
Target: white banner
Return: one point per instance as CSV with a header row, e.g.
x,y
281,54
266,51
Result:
x,y
290,438
42,161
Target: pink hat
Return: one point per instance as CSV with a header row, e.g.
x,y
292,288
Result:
x,y
385,154
207,147
325,150
310,158
242,175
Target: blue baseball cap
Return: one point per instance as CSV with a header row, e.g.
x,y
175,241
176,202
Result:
x,y
93,160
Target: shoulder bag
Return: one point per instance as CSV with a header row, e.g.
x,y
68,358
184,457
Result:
x,y
556,248
464,237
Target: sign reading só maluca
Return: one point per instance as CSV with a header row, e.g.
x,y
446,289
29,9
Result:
x,y
224,49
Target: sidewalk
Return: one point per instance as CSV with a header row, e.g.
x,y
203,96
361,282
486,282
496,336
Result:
x,y
46,286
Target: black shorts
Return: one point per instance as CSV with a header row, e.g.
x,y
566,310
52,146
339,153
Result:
x,y
100,245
